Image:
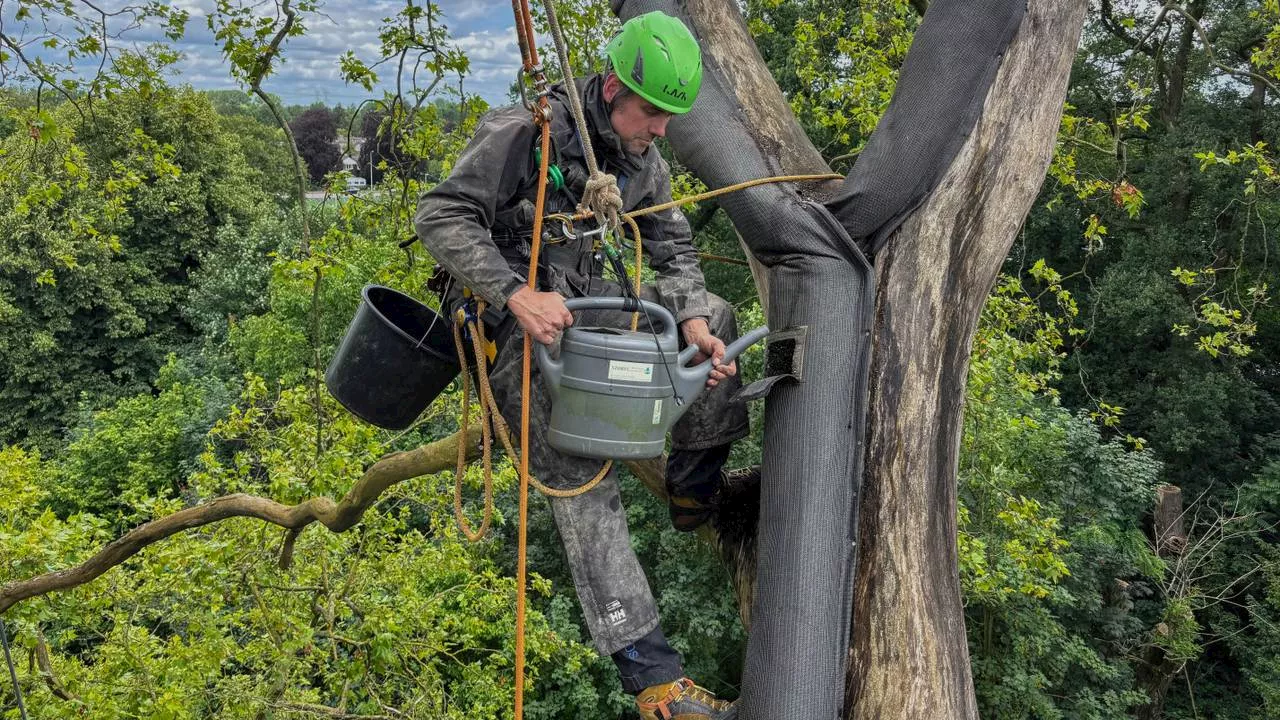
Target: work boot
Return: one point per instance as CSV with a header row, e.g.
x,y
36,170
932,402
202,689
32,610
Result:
x,y
690,513
694,478
679,700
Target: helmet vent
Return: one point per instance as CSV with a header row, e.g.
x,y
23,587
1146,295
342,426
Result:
x,y
637,70
662,45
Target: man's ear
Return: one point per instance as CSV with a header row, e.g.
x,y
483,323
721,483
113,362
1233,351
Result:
x,y
611,86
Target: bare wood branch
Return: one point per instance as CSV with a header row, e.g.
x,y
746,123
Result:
x,y
1171,534
910,657
337,517
46,671
326,711
1209,51
256,76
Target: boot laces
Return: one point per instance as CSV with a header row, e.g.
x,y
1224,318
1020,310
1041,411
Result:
x,y
683,689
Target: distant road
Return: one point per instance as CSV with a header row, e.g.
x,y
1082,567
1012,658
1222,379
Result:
x,y
320,195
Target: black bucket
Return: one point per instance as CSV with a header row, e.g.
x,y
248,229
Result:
x,y
396,357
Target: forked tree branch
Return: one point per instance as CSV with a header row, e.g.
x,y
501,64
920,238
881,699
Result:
x,y
337,517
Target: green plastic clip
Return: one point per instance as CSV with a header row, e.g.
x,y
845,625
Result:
x,y
554,176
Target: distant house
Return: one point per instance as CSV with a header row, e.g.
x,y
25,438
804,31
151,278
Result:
x,y
356,183
350,164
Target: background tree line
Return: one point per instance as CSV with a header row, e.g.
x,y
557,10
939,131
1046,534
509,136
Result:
x,y
163,327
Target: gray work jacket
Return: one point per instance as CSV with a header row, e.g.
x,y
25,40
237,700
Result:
x,y
477,222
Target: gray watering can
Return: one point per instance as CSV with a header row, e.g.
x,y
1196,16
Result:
x,y
614,392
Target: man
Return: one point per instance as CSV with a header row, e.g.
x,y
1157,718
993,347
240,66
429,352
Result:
x,y
478,224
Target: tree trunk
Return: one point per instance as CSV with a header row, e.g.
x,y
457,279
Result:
x,y
1169,529
910,658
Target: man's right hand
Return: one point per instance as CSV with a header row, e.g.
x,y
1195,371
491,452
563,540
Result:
x,y
541,314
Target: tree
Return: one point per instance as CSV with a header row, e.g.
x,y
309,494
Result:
x,y
909,656
941,264
316,133
377,147
103,234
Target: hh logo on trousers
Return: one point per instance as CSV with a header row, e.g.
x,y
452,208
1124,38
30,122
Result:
x,y
615,613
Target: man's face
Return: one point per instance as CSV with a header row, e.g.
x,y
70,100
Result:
x,y
636,120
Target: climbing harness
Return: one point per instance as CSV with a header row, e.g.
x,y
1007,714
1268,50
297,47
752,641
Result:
x,y
13,675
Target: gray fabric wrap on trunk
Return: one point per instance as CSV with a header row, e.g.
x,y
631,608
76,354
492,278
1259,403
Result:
x,y
814,437
815,429
942,86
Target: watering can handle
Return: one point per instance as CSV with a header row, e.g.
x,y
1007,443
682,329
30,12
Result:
x,y
553,370
731,352
622,303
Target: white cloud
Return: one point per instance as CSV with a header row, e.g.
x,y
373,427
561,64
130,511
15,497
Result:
x,y
480,28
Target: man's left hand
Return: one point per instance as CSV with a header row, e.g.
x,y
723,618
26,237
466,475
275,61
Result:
x,y
697,333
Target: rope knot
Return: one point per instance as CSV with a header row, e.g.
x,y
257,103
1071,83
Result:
x,y
603,198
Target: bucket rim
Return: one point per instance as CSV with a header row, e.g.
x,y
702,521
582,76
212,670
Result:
x,y
419,343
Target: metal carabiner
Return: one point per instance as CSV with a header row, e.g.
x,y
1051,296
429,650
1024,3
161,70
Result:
x,y
543,91
524,96
565,227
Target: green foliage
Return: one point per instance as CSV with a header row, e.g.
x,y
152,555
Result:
x,y
1048,524
399,612
104,223
60,40
162,337
837,63
141,447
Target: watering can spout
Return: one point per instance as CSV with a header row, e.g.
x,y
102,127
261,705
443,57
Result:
x,y
691,379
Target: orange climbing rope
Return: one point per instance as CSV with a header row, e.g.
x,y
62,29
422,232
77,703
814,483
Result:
x,y
529,53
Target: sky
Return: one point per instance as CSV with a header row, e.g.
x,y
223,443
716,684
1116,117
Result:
x,y
484,29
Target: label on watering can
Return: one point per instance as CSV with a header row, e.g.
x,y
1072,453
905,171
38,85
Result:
x,y
630,371
657,411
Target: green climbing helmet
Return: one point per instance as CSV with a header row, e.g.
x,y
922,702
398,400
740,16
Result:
x,y
656,56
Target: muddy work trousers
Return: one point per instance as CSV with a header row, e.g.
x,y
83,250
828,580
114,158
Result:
x,y
616,600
